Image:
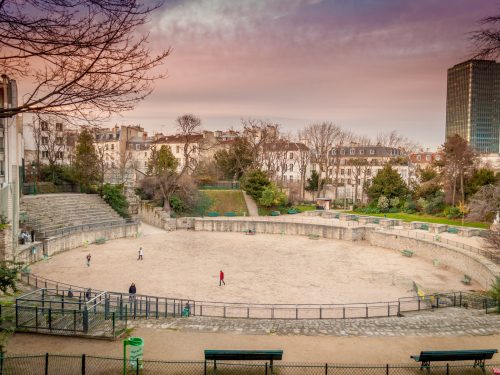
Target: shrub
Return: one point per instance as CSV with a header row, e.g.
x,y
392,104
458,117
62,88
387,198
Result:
x,y
113,195
452,212
254,183
383,203
422,204
435,204
394,202
271,196
410,206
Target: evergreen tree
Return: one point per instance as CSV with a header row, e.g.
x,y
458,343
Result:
x,y
86,160
388,183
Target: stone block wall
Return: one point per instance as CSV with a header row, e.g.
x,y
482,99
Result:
x,y
156,216
6,243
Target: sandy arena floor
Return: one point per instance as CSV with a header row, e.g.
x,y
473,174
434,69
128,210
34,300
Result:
x,y
258,269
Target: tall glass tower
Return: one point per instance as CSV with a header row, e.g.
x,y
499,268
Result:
x,y
473,104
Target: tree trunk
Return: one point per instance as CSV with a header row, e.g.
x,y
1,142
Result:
x,y
166,206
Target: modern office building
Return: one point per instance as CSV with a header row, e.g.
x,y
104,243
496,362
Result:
x,y
473,104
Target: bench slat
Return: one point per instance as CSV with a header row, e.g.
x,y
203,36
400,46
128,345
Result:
x,y
454,355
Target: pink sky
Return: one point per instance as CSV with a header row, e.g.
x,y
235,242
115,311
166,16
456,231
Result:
x,y
366,65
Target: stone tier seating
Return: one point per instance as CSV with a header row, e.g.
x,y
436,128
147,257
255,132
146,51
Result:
x,y
52,214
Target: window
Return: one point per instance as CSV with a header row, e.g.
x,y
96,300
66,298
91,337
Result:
x,y
342,152
342,171
291,167
348,181
438,158
368,172
428,157
145,154
419,157
349,172
290,178
352,151
45,140
145,163
45,154
112,164
334,152
59,155
291,155
45,125
59,140
137,146
59,127
2,170
112,146
372,151
361,152
284,168
177,149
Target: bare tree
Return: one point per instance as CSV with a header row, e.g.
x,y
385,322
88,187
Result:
x,y
321,137
303,160
395,140
487,39
86,59
190,133
258,133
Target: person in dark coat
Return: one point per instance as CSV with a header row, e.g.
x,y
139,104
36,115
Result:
x,y
132,290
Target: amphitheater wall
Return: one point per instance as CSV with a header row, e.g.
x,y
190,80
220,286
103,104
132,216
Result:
x,y
478,267
155,216
57,244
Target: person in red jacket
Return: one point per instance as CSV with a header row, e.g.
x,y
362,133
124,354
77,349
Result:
x,y
221,278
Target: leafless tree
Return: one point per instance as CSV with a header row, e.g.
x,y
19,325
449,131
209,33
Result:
x,y
303,160
50,140
258,133
189,131
321,137
487,39
85,59
485,203
396,140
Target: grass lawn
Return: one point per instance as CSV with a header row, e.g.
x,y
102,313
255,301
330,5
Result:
x,y
226,201
428,219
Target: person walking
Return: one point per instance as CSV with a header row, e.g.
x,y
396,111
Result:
x,y
88,259
88,294
141,253
221,278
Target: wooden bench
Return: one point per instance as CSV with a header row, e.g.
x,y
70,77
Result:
x,y
407,253
467,279
313,236
242,355
452,230
213,214
478,356
274,213
293,211
100,241
424,227
249,231
230,214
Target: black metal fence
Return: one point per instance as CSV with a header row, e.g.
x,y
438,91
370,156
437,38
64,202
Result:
x,y
50,364
139,306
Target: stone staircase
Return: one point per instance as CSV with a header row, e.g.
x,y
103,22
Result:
x,y
54,214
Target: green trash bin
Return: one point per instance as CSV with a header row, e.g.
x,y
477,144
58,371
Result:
x,y
136,352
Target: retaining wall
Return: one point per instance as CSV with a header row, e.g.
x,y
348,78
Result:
x,y
155,216
279,227
478,267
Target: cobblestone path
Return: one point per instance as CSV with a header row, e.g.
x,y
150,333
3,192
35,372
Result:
x,y
445,322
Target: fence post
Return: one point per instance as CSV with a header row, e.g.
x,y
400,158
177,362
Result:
x,y
447,369
50,319
74,321
321,313
113,317
343,312
224,311
156,307
83,364
137,366
326,368
46,363
367,311
460,299
486,306
266,369
437,301
201,310
387,369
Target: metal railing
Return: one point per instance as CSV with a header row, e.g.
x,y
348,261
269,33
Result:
x,y
49,364
146,306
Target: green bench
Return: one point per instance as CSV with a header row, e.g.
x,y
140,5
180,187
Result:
x,y
376,221
424,227
407,253
293,211
467,279
274,213
452,230
230,214
478,356
313,236
213,214
100,240
242,355
250,231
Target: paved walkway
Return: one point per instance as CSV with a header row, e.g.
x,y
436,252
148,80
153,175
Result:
x,y
251,205
446,322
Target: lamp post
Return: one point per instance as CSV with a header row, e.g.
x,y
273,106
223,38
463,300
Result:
x,y
33,167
